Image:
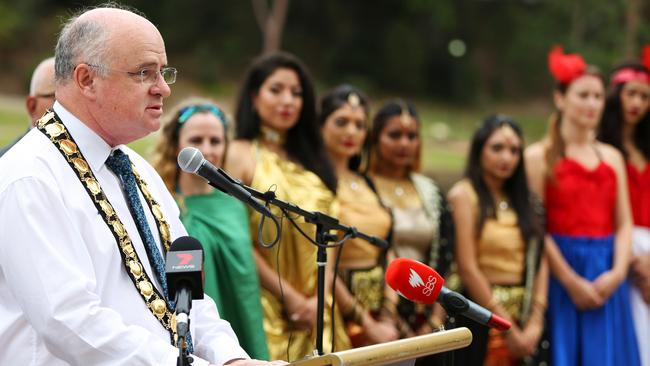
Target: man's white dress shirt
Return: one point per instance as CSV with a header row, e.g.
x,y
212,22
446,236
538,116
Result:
x,y
65,297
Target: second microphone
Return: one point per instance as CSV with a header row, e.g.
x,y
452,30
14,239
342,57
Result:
x,y
191,160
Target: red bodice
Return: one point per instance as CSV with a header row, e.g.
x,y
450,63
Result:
x,y
639,186
581,202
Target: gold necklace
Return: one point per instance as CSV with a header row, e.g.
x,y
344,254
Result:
x,y
352,180
397,192
272,136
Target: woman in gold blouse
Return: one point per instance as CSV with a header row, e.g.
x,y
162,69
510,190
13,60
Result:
x,y
421,223
344,125
498,246
278,147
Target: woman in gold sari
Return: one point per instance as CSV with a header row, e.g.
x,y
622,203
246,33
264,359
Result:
x,y
499,236
344,124
278,147
422,227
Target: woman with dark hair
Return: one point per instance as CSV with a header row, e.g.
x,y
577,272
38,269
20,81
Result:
x,y
422,227
343,119
217,220
626,126
279,147
584,188
499,238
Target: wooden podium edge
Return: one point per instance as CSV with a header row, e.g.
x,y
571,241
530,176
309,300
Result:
x,y
396,351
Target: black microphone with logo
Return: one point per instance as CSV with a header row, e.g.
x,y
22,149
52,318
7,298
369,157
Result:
x,y
191,160
184,267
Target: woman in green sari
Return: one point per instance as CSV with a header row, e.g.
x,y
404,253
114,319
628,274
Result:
x,y
217,220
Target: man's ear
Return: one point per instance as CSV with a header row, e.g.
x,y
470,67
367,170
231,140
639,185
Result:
x,y
30,103
83,77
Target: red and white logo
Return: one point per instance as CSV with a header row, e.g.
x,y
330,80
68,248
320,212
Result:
x,y
185,258
415,280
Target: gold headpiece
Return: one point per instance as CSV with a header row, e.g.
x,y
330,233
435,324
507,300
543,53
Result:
x,y
353,100
404,115
508,132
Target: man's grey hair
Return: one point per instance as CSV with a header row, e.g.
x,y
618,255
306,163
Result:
x,y
83,41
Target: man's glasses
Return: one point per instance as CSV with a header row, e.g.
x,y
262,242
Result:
x,y
148,75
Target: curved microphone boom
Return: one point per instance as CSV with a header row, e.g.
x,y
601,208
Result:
x,y
420,283
191,160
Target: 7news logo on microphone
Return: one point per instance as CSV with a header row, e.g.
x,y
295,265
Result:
x,y
185,261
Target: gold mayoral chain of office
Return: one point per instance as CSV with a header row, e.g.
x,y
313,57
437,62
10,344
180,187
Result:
x,y
55,130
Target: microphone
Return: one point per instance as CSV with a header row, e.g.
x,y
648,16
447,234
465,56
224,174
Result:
x,y
191,160
184,268
420,283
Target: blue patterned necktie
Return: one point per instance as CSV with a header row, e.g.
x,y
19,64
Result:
x,y
120,164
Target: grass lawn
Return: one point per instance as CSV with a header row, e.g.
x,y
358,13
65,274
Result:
x,y
446,131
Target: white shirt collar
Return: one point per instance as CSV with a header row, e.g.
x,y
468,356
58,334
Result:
x,y
93,147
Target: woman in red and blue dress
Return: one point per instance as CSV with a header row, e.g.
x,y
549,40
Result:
x,y
626,126
584,187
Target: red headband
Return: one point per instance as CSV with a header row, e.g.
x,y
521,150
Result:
x,y
565,67
628,74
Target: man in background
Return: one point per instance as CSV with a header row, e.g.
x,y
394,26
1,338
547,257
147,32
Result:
x,y
41,95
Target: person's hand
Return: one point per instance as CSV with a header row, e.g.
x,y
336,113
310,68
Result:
x,y
640,269
643,286
606,284
645,292
302,313
245,362
531,335
584,295
424,329
379,331
517,344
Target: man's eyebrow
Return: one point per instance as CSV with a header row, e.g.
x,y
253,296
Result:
x,y
148,65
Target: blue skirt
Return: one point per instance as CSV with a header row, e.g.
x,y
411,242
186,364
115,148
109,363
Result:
x,y
603,336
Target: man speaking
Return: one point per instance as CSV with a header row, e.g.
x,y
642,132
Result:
x,y
85,222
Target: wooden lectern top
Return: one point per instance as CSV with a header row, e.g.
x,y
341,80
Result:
x,y
396,351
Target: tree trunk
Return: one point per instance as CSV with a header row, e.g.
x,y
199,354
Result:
x,y
631,29
271,22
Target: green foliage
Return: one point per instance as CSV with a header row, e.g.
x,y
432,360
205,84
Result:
x,y
391,47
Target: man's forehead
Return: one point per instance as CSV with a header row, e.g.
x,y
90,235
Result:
x,y
135,46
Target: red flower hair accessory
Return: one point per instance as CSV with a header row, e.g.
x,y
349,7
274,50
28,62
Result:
x,y
645,56
565,67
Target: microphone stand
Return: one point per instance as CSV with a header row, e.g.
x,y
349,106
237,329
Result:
x,y
184,358
183,302
324,223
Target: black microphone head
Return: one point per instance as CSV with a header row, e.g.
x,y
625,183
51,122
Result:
x,y
184,267
190,159
185,243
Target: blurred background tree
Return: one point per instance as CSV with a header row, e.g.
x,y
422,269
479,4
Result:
x,y
458,59
454,51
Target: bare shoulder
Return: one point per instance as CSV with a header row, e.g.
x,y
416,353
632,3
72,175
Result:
x,y
458,193
240,160
534,152
609,151
611,155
